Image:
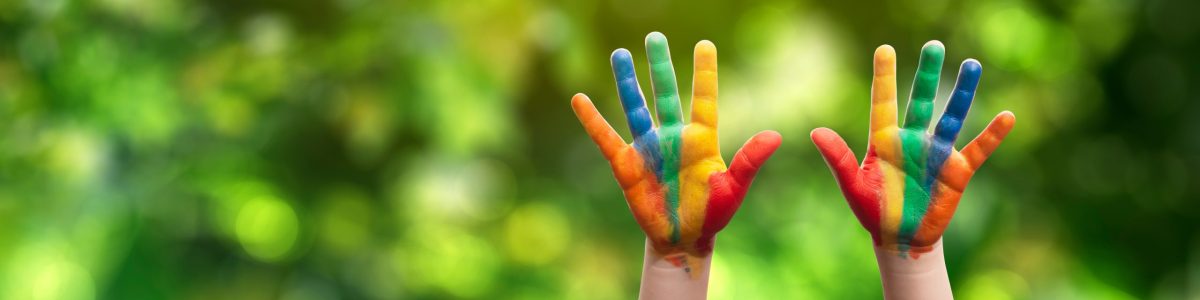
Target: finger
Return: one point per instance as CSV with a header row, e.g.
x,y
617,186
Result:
x,y
662,80
845,168
597,128
979,149
960,101
837,155
630,94
750,158
737,179
704,85
883,90
925,84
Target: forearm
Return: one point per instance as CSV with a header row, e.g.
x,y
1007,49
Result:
x,y
663,279
905,277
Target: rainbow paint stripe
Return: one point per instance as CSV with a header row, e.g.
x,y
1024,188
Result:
x,y
673,176
908,187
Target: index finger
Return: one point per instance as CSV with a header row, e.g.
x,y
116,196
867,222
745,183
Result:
x,y
883,90
704,85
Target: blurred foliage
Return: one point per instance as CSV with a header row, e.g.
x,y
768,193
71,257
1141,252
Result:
x,y
425,149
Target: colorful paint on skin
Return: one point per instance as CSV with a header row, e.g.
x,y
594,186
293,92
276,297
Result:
x,y
672,175
909,184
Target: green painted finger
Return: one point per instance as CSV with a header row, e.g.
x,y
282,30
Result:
x,y
662,78
913,139
925,85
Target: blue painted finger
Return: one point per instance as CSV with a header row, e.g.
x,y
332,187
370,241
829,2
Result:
x,y
631,94
960,101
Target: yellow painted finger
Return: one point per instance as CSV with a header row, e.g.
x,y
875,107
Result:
x,y
883,90
701,151
704,85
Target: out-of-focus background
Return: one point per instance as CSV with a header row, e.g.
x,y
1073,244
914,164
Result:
x,y
344,149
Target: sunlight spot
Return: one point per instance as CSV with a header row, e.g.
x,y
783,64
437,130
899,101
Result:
x,y
267,228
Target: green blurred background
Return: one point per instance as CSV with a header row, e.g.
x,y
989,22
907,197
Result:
x,y
350,149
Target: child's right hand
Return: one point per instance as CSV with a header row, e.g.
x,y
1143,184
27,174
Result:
x,y
909,184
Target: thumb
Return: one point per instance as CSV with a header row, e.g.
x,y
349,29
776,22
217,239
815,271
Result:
x,y
837,155
751,157
730,187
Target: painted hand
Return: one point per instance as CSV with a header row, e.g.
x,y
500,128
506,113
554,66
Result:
x,y
907,188
674,179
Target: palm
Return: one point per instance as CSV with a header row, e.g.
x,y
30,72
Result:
x,y
910,182
672,175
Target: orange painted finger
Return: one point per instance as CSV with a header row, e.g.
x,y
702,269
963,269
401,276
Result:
x,y
597,128
978,150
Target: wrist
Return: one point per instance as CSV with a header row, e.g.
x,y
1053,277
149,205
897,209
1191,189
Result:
x,y
674,275
907,276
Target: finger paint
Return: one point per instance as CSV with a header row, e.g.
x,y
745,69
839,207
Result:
x,y
691,195
911,180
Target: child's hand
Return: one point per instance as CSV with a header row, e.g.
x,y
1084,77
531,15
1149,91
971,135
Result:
x,y
673,176
908,186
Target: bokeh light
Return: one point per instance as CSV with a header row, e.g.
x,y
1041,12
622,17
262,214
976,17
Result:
x,y
267,228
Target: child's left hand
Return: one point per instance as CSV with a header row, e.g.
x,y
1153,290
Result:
x,y
673,177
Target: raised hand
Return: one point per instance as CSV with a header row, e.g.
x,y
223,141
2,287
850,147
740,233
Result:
x,y
673,177
909,184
